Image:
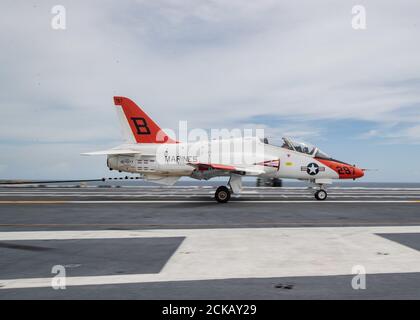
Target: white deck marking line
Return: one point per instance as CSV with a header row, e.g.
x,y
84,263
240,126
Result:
x,y
268,195
198,201
253,253
164,191
119,191
200,187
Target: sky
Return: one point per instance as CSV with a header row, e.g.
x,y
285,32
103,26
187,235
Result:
x,y
295,68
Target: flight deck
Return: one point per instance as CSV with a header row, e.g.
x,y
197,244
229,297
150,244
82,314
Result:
x,y
143,242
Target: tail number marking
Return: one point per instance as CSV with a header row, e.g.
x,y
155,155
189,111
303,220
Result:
x,y
344,170
141,125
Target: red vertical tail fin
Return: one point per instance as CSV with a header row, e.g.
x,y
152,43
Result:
x,y
143,128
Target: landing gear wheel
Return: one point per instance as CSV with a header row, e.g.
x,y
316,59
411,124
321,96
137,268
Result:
x,y
321,195
222,194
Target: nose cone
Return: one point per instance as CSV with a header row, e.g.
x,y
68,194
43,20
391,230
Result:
x,y
343,170
358,173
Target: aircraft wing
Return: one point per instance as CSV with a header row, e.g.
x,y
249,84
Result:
x,y
110,152
160,179
243,170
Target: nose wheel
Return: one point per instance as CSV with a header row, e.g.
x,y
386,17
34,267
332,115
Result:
x,y
321,195
222,194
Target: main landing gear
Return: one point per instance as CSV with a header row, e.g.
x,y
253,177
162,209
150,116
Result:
x,y
222,194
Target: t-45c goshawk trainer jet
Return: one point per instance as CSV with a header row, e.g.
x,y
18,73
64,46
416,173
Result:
x,y
151,153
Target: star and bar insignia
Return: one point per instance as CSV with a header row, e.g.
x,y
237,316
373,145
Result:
x,y
312,169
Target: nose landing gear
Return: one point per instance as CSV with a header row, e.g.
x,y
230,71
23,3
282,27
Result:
x,y
321,195
318,187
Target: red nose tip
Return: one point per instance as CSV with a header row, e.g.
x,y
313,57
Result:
x,y
344,170
358,173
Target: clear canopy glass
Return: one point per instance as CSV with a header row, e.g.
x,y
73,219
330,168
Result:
x,y
303,147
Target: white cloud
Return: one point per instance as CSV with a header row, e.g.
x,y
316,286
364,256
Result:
x,y
407,135
209,62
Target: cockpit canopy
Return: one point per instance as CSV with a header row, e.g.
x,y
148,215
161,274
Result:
x,y
304,147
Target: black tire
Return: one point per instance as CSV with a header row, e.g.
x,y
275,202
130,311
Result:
x,y
277,183
321,195
222,194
